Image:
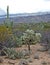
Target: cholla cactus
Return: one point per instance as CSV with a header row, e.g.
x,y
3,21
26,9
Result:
x,y
38,36
30,36
29,31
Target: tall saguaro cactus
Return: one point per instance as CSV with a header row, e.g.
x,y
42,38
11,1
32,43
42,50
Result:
x,y
7,20
7,12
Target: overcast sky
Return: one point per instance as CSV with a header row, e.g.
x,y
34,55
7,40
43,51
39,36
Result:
x,y
25,6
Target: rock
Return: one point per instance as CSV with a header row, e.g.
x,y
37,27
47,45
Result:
x,y
30,60
26,57
48,63
36,56
11,62
1,60
44,63
48,51
25,52
42,49
23,62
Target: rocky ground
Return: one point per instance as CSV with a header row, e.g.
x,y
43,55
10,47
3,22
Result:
x,y
36,57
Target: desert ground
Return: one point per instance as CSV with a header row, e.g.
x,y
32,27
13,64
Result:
x,y
44,57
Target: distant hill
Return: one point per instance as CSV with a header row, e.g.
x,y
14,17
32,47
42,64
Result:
x,y
28,17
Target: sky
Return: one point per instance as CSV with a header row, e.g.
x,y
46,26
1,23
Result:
x,y
25,6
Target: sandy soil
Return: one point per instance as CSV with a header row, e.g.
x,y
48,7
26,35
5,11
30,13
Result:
x,y
43,56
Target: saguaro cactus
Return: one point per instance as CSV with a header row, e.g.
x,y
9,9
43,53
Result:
x,y
7,12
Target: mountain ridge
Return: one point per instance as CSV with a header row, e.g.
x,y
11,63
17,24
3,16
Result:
x,y
25,14
28,17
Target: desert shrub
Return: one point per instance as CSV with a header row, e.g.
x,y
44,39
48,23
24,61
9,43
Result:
x,y
12,54
13,41
46,44
4,33
18,41
7,38
9,42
